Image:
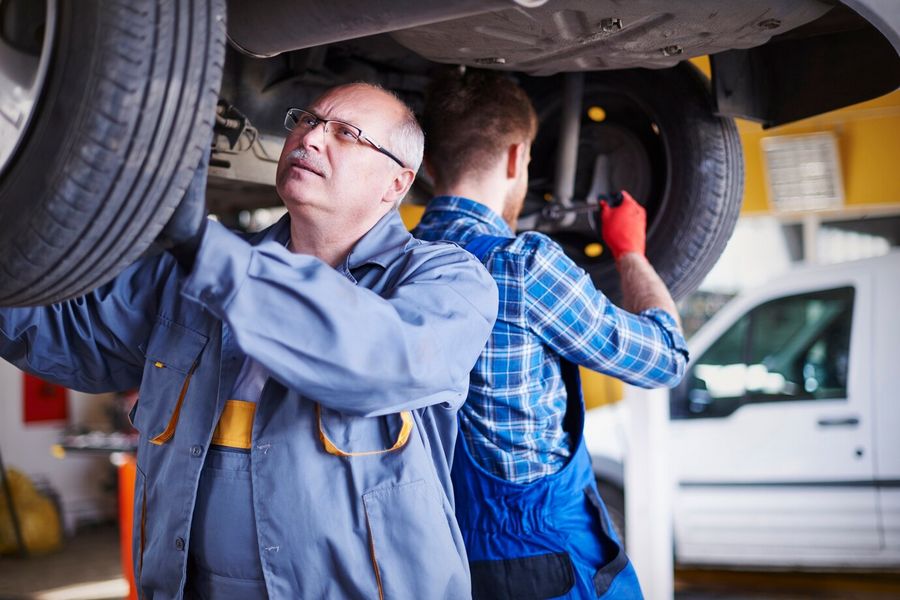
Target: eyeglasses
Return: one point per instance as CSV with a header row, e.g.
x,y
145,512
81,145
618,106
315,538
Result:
x,y
343,132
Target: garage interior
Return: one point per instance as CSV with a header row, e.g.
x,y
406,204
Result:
x,y
72,446
819,190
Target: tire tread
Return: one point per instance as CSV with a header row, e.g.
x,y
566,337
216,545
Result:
x,y
131,151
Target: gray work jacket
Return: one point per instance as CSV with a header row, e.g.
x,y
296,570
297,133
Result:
x,y
396,328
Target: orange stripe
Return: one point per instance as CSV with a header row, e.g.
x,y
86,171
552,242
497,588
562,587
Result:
x,y
166,435
374,560
402,437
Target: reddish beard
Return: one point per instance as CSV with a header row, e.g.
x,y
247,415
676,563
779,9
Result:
x,y
512,205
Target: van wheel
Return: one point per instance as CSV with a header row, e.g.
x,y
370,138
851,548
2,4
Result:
x,y
120,106
614,498
661,142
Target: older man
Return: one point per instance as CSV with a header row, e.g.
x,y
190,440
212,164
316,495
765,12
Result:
x,y
298,392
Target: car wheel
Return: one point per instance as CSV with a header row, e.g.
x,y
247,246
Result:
x,y
109,105
658,138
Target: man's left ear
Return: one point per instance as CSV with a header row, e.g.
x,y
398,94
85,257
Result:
x,y
400,184
515,160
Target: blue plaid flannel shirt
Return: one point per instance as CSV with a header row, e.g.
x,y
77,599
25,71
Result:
x,y
549,308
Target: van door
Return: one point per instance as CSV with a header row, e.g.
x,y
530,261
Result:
x,y
772,431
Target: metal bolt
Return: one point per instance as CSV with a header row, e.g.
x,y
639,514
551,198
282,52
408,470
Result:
x,y
769,24
671,50
610,25
491,60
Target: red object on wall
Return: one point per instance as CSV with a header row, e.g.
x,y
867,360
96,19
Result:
x,y
44,401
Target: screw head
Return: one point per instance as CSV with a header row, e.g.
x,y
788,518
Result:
x,y
671,50
610,25
769,24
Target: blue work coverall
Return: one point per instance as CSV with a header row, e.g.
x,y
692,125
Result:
x,y
395,328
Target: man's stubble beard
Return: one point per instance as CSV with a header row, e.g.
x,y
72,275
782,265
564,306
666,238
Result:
x,y
512,205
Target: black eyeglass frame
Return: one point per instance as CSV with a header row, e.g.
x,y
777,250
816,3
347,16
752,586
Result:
x,y
289,119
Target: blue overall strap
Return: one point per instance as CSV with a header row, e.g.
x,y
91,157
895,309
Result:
x,y
481,245
551,537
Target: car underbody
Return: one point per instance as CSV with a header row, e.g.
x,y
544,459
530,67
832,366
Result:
x,y
666,132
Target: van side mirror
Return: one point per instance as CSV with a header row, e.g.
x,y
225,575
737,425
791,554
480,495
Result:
x,y
699,401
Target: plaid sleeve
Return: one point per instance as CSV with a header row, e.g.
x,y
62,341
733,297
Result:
x,y
581,324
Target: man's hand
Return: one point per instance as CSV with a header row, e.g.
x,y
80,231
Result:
x,y
185,251
624,227
625,231
183,233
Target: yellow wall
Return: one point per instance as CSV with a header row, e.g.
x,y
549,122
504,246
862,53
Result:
x,y
599,389
868,136
411,214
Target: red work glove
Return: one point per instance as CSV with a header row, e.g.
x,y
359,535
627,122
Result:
x,y
624,227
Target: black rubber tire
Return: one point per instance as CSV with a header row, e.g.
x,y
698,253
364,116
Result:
x,y
695,190
123,120
614,498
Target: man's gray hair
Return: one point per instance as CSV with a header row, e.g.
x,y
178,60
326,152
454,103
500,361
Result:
x,y
408,143
408,139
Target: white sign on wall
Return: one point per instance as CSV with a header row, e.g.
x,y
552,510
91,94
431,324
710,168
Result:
x,y
803,172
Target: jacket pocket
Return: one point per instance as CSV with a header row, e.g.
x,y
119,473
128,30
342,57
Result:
x,y
171,356
348,435
412,550
614,556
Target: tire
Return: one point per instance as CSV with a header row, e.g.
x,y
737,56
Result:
x,y
614,498
665,146
122,119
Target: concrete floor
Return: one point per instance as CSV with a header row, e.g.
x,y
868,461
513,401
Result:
x,y
703,584
88,568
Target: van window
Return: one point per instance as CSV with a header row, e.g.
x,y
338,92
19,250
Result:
x,y
792,348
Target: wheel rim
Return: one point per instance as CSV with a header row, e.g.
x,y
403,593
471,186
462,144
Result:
x,y
639,162
27,33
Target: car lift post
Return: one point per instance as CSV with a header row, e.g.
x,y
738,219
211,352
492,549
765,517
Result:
x,y
648,491
569,133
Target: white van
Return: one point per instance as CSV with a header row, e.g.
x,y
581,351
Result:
x,y
785,433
